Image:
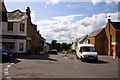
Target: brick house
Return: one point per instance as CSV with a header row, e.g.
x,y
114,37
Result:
x,y
112,30
98,38
107,40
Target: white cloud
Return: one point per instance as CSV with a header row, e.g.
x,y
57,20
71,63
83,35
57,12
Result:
x,y
65,18
32,15
68,6
107,1
52,1
110,1
95,1
45,6
63,29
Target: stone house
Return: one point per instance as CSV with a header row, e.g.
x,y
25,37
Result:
x,y
35,42
98,38
18,33
112,30
13,28
107,40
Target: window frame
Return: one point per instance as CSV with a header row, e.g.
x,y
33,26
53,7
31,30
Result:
x,y
9,45
10,26
21,46
22,27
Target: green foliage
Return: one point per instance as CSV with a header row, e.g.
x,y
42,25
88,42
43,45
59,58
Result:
x,y
71,51
59,46
54,44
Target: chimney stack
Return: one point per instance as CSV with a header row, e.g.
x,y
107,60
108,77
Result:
x,y
109,19
28,11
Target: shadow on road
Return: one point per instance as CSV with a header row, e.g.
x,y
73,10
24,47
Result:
x,y
37,57
102,62
12,60
98,62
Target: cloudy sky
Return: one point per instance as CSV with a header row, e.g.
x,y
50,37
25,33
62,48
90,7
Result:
x,y
66,21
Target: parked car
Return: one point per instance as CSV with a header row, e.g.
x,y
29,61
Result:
x,y
5,57
49,52
6,54
54,51
86,52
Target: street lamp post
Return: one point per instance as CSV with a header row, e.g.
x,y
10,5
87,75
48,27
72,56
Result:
x,y
87,28
87,31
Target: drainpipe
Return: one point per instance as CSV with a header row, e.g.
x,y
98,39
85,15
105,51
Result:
x,y
109,52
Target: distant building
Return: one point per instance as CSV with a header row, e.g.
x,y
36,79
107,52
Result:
x,y
47,47
81,40
73,45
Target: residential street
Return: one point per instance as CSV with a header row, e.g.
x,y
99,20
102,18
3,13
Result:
x,y
44,39
59,66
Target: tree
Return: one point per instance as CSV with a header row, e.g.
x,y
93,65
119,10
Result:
x,y
64,46
59,46
54,44
68,46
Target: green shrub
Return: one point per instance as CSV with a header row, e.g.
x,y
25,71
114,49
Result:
x,y
71,51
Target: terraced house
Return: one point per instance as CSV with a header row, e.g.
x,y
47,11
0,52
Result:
x,y
18,32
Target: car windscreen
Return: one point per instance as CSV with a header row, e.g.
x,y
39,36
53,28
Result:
x,y
87,49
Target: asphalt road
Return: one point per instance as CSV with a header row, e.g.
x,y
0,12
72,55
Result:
x,y
59,66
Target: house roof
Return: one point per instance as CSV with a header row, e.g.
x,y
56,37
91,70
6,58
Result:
x,y
42,39
81,39
116,25
96,32
16,16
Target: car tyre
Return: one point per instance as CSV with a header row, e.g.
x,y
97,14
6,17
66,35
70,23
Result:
x,y
82,59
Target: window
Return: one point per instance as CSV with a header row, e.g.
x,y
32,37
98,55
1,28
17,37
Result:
x,y
10,26
22,27
20,46
9,45
87,49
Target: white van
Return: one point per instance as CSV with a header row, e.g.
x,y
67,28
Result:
x,y
86,52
